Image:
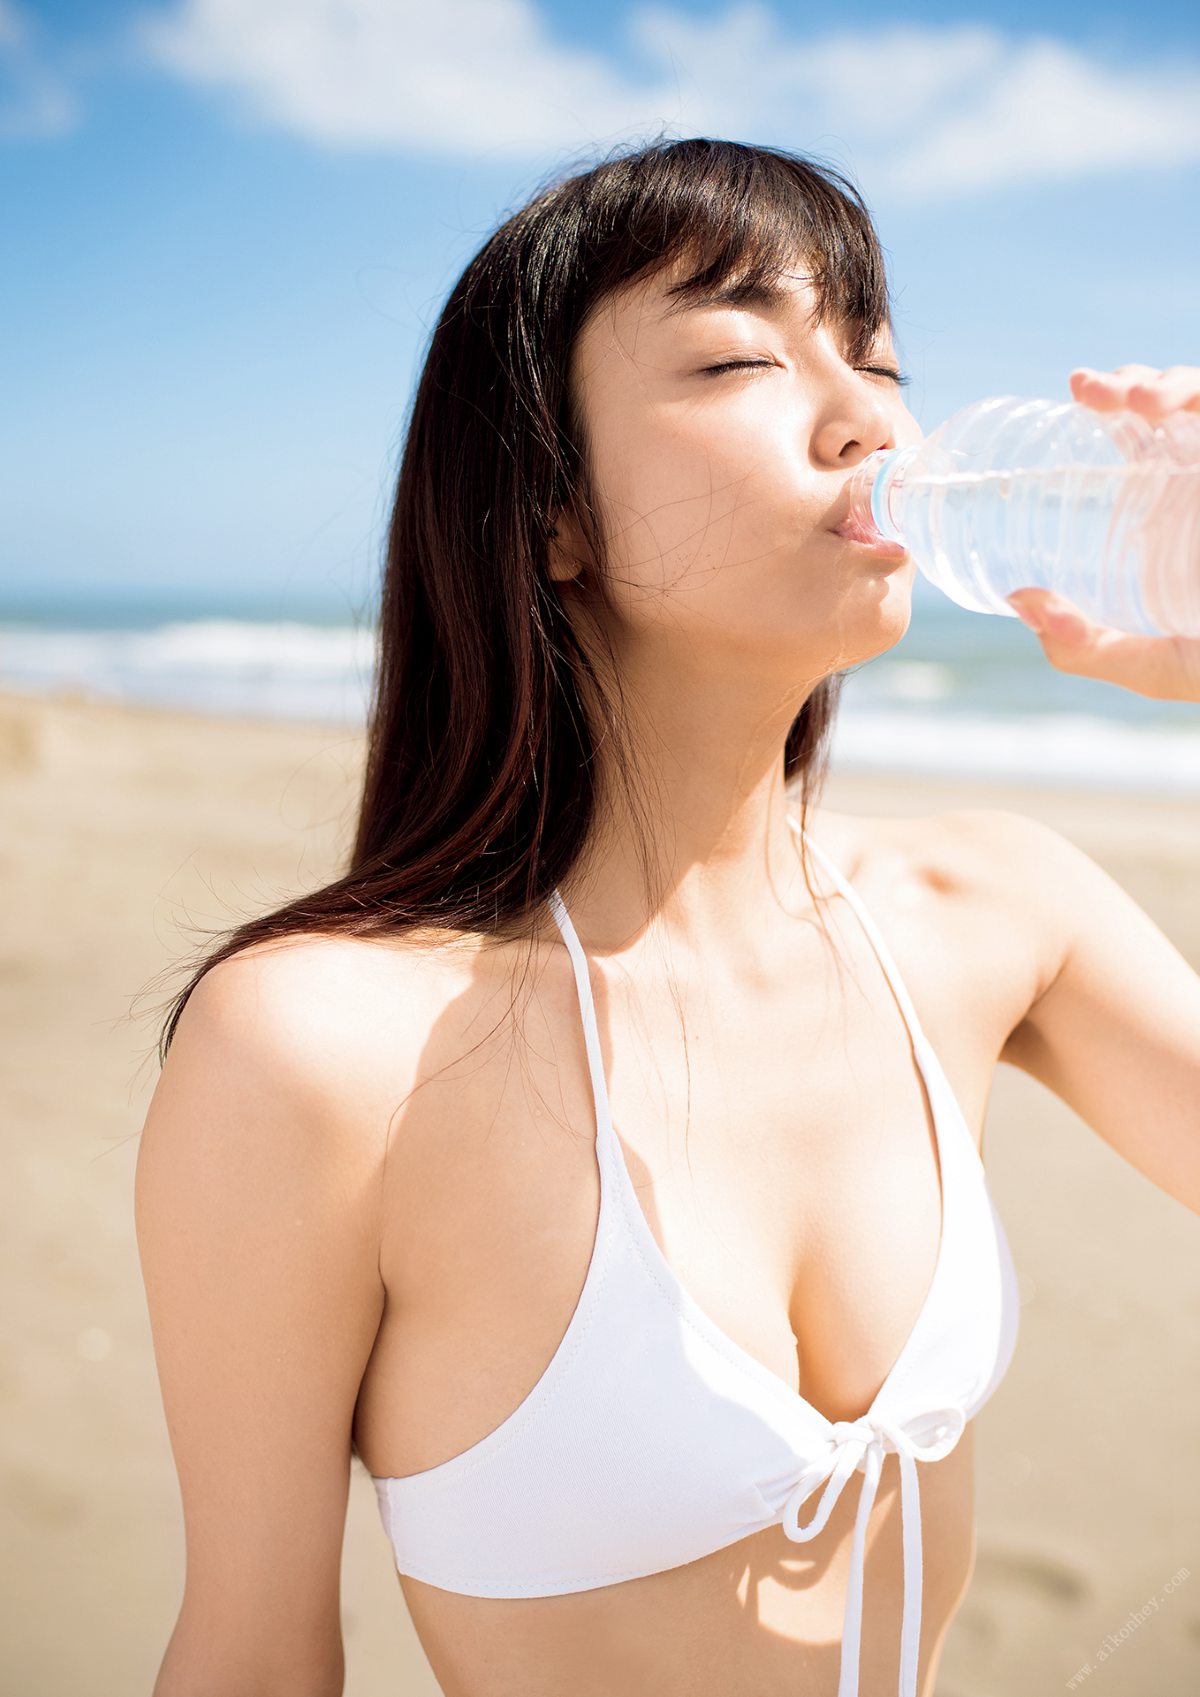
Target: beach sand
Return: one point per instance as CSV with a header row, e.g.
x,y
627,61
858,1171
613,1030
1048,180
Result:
x,y
119,827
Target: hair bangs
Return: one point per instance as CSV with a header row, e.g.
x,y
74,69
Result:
x,y
737,214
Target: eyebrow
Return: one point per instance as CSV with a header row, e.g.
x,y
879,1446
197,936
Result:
x,y
764,296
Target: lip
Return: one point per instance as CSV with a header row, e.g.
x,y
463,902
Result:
x,y
880,546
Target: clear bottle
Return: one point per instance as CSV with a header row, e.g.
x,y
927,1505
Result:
x,y
1011,493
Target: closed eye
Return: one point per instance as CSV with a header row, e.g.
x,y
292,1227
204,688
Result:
x,y
736,365
898,377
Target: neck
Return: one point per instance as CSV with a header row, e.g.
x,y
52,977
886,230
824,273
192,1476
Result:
x,y
713,885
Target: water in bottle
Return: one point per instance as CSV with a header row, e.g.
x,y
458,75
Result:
x,y
1011,493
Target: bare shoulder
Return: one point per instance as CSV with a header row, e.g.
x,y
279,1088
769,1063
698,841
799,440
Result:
x,y
962,839
301,988
342,1026
966,853
990,881
1019,868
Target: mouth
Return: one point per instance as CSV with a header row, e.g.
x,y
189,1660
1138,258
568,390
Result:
x,y
869,541
855,515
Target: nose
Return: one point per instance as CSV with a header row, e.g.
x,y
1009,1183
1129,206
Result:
x,y
855,423
852,430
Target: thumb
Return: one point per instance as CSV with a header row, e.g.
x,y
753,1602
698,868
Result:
x,y
1051,616
1166,668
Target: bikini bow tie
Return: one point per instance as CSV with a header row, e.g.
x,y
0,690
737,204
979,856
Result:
x,y
925,1437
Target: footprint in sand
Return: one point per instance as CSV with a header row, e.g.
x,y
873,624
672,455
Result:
x,y
1056,1581
39,1499
20,742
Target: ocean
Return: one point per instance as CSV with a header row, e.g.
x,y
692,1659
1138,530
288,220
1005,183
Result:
x,y
963,694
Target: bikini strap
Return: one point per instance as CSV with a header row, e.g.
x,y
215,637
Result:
x,y
886,960
583,983
591,1033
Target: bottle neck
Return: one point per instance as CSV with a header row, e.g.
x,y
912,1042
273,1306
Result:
x,y
875,486
887,489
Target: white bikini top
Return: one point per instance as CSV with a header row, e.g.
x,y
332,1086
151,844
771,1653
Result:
x,y
653,1439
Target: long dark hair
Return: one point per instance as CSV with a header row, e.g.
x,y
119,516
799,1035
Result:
x,y
487,710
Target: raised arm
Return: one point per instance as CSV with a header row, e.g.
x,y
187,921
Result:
x,y
257,1199
1116,1031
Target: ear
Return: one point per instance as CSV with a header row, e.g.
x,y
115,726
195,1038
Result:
x,y
566,552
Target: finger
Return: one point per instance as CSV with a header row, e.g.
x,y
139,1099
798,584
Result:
x,y
1099,390
1120,378
1188,379
1172,391
1165,668
1050,615
1153,396
1108,391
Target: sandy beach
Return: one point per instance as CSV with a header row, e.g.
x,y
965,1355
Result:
x,y
123,827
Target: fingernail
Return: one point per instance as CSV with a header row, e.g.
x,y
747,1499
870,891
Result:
x,y
1031,615
1050,617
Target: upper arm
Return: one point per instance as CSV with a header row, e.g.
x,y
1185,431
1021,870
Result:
x,y
257,1215
1115,1028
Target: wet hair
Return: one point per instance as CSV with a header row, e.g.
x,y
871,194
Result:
x,y
488,711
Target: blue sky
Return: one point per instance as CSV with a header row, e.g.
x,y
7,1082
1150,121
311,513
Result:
x,y
229,224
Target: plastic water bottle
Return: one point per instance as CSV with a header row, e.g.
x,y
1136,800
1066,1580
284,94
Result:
x,y
1011,493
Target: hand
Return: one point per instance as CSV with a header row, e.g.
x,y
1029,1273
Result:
x,y
1165,667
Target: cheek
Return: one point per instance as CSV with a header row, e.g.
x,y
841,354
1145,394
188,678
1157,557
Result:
x,y
685,510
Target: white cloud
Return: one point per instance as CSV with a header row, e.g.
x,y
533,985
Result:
x,y
877,86
459,76
917,111
925,112
35,102
1046,111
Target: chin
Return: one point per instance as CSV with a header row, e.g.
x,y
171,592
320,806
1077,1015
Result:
x,y
874,621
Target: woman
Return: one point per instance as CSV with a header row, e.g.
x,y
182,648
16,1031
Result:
x,y
687,1410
